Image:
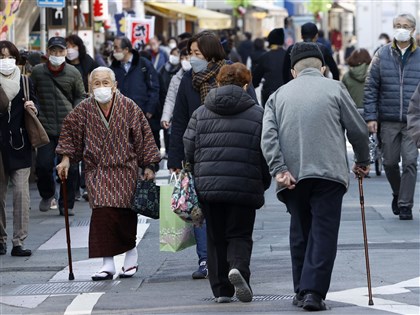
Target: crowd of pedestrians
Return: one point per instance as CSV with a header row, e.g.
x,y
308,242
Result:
x,y
104,114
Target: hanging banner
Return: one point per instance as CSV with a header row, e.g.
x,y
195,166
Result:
x,y
8,10
139,31
120,23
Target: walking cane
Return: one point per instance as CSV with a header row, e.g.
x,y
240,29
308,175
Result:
x,y
362,208
66,219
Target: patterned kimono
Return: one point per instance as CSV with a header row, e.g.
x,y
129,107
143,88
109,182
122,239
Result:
x,y
112,150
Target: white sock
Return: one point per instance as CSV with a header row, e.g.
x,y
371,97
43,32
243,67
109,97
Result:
x,y
108,265
131,258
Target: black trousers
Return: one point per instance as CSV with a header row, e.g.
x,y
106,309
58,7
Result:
x,y
315,208
229,244
45,164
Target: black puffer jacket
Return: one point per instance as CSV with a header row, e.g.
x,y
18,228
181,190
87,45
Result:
x,y
222,140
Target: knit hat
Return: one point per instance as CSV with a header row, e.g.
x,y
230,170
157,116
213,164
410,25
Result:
x,y
276,37
308,30
305,50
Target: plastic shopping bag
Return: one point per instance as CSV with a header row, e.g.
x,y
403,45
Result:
x,y
174,233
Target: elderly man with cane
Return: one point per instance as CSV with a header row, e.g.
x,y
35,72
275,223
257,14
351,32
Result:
x,y
304,143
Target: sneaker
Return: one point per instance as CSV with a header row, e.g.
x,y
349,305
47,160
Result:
x,y
223,299
85,195
54,204
45,204
395,208
202,272
242,290
406,213
71,212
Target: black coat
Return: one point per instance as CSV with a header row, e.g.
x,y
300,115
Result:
x,y
86,66
328,58
140,83
187,101
15,147
269,67
222,141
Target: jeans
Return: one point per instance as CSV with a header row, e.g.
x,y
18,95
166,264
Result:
x,y
45,173
201,239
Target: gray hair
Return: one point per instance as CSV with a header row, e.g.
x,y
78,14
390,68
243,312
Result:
x,y
105,69
407,16
311,62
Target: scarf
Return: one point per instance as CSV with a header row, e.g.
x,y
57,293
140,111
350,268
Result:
x,y
204,81
11,84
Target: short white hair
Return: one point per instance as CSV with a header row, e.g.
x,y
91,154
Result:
x,y
105,69
311,62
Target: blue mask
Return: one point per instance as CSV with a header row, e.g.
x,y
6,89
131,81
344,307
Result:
x,y
198,64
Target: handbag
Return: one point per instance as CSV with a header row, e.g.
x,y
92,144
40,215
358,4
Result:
x,y
146,199
184,201
174,233
36,132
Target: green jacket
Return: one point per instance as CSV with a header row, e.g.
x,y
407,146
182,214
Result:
x,y
56,103
354,80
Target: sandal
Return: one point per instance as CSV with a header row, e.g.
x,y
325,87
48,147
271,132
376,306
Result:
x,y
102,275
129,272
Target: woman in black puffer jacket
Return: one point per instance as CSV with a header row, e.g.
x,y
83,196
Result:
x,y
222,141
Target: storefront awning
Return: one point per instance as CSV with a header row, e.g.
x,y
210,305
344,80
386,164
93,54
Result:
x,y
207,19
269,8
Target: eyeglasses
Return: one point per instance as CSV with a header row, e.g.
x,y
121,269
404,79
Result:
x,y
404,26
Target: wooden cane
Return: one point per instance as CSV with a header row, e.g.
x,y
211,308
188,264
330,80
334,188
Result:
x,y
362,208
66,219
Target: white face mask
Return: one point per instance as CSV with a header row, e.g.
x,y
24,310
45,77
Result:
x,y
72,54
172,45
118,55
174,60
7,66
103,94
382,42
57,60
186,65
402,35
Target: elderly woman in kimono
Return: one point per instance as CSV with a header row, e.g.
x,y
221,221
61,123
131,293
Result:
x,y
111,134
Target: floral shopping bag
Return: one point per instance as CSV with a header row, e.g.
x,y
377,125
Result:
x,y
184,200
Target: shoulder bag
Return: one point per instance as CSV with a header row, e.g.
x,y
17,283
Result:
x,y
36,132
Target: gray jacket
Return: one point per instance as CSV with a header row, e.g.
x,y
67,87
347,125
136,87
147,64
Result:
x,y
390,83
305,126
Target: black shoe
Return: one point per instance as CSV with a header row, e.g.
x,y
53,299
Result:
x,y
395,208
406,214
3,249
313,302
19,251
298,300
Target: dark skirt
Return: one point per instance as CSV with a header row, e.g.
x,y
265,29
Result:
x,y
112,232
